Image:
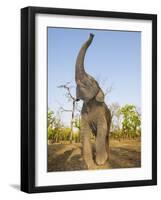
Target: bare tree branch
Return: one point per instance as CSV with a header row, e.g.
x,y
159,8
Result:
x,y
65,110
108,90
68,90
70,98
103,83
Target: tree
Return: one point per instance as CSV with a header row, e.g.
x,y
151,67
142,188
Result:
x,y
54,126
131,121
73,99
51,118
115,116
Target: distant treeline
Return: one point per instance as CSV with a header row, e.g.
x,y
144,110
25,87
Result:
x,y
126,123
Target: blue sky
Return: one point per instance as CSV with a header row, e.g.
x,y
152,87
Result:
x,y
113,58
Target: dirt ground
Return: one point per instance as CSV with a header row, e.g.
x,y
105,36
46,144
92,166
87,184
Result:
x,y
67,157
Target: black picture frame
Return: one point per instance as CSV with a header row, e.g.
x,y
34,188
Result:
x,y
28,98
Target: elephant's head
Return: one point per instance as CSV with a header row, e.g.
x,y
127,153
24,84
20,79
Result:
x,y
87,86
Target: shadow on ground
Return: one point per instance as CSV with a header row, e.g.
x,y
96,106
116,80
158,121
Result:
x,y
15,186
67,157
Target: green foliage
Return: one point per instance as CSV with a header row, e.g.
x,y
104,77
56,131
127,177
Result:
x,y
76,137
65,134
50,133
53,121
51,118
131,124
77,123
58,134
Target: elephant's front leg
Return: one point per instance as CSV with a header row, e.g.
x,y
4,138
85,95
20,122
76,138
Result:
x,y
101,142
86,144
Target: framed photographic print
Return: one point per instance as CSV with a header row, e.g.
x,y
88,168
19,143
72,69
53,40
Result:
x,y
88,99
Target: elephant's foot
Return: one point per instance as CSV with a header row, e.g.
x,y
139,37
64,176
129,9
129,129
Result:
x,y
101,158
91,166
90,163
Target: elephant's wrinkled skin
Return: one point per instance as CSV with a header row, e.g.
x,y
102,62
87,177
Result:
x,y
95,115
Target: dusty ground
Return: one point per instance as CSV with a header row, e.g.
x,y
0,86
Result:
x,y
67,157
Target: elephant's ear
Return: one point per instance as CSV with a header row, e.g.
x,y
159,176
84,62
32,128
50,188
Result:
x,y
100,96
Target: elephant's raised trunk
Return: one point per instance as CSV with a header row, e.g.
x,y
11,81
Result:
x,y
79,67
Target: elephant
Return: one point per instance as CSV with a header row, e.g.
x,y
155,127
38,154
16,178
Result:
x,y
95,115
